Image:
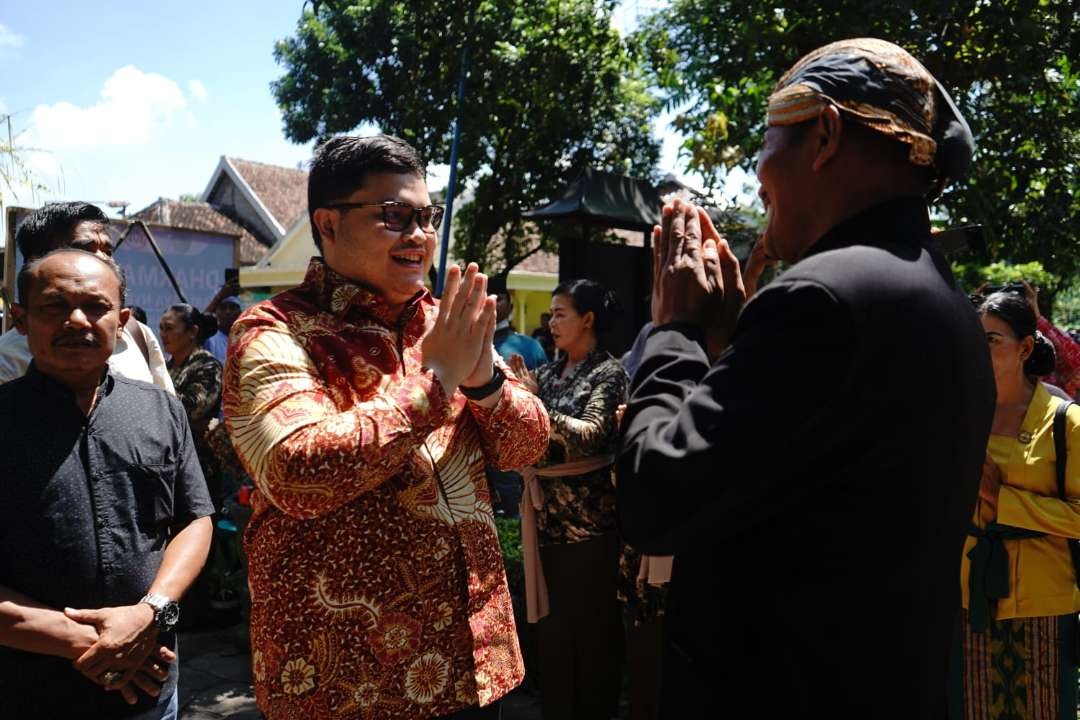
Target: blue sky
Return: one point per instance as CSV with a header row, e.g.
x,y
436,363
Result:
x,y
141,100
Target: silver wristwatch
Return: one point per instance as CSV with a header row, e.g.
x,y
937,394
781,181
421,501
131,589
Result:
x,y
166,610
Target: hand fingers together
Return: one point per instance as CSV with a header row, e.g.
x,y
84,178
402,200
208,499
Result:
x,y
657,254
487,321
691,231
450,290
666,245
678,232
477,299
464,291
708,230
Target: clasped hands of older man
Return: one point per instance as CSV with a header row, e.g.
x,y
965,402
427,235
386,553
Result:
x,y
117,647
696,276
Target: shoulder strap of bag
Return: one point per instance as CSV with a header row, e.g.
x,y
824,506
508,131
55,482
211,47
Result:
x,y
1060,456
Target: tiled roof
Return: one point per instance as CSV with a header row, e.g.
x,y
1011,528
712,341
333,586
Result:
x,y
282,190
544,262
206,218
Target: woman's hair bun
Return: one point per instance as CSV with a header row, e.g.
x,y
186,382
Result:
x,y
1042,359
191,316
590,296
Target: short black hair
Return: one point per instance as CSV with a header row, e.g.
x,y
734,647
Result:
x,y
49,227
342,163
26,273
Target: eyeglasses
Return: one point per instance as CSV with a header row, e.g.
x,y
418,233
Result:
x,y
398,216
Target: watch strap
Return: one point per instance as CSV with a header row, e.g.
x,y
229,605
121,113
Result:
x,y
159,603
482,391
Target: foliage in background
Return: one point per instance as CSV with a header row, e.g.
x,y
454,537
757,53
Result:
x,y
1067,307
1013,67
509,532
552,88
972,275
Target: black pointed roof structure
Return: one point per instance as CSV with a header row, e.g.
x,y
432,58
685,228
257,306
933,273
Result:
x,y
602,198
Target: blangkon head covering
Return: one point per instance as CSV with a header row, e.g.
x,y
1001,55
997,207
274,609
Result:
x,y
881,86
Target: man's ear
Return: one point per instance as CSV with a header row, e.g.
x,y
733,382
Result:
x,y
326,224
18,314
828,132
125,315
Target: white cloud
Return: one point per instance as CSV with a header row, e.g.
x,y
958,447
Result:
x,y
198,90
9,39
134,106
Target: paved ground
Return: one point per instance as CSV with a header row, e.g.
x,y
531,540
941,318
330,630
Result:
x,y
215,679
215,675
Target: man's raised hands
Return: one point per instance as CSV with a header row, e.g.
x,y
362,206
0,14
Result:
x,y
458,346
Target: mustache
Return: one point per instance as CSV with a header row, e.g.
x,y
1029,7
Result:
x,y
76,340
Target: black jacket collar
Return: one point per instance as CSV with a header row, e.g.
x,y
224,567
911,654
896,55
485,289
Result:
x,y
904,219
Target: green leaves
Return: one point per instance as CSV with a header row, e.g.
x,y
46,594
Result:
x,y
551,88
1010,65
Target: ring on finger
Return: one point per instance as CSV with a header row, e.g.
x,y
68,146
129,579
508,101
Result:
x,y
111,676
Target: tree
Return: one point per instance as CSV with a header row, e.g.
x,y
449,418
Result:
x,y
1013,67
1067,311
552,87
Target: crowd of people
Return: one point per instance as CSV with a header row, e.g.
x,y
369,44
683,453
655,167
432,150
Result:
x,y
853,492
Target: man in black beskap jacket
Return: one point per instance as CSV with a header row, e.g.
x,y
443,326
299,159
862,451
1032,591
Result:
x,y
817,461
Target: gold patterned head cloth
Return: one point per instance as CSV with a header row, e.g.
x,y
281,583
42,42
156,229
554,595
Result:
x,y
881,86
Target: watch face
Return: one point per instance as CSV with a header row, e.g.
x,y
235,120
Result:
x,y
170,614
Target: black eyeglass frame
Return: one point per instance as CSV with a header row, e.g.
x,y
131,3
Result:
x,y
415,213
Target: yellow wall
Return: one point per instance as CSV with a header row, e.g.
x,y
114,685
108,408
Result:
x,y
528,304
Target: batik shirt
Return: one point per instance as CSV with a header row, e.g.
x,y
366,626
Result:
x,y
1067,358
377,583
582,411
198,385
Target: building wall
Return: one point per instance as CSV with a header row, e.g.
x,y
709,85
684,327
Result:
x,y
528,304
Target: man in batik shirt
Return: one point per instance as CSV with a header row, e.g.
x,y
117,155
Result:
x,y
365,411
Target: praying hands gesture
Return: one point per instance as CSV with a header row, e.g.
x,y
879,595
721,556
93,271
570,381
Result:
x,y
523,374
696,278
458,347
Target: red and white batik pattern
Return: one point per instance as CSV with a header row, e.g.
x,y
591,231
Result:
x,y
376,577
1067,358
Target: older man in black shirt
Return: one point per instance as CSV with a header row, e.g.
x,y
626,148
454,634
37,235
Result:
x,y
103,510
819,474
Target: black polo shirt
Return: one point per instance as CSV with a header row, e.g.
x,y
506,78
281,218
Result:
x,y
87,506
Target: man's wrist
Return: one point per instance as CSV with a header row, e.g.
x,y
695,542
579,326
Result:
x,y
449,384
147,614
164,611
80,638
482,392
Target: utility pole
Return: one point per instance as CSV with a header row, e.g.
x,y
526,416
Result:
x,y
451,188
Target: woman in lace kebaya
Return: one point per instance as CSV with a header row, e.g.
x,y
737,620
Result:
x,y
571,496
196,374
